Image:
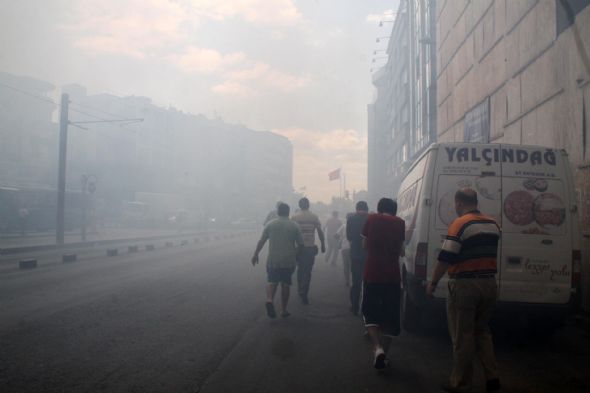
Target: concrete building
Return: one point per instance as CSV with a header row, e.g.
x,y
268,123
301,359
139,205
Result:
x,y
176,160
28,147
519,72
219,170
402,118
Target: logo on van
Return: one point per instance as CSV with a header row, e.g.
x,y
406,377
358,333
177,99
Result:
x,y
489,155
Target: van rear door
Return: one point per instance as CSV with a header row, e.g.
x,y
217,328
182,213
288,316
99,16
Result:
x,y
462,165
535,264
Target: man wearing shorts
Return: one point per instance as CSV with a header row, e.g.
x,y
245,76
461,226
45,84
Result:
x,y
384,240
285,239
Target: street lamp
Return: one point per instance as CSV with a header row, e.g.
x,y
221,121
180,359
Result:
x,y
381,38
384,21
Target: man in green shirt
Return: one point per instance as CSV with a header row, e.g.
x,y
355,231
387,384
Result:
x,y
284,238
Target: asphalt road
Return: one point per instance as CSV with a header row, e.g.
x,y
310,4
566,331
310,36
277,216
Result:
x,y
191,319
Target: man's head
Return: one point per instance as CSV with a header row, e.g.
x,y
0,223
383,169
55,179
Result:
x,y
361,206
279,203
465,200
304,203
283,210
387,205
335,214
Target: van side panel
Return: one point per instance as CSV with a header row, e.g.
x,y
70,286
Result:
x,y
458,166
537,231
410,208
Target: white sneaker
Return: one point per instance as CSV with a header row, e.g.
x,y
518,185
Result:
x,y
379,361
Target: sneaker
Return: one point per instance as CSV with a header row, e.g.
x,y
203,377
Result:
x,y
270,310
379,361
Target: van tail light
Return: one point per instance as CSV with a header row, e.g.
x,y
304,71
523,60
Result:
x,y
420,260
576,267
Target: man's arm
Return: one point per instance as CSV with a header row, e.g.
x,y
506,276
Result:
x,y
449,254
259,246
439,270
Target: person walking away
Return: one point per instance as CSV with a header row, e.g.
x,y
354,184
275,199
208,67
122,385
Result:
x,y
272,215
309,224
384,234
285,240
358,254
331,228
469,255
345,251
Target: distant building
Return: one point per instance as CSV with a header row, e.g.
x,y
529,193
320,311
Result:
x,y
402,118
181,162
519,72
28,138
222,171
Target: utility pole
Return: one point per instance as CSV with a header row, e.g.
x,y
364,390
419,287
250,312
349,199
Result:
x,y
61,176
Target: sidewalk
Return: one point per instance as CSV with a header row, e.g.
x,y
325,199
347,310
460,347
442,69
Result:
x,y
48,238
321,348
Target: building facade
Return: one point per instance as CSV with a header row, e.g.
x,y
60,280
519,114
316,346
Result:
x,y
519,72
174,160
402,118
27,149
220,170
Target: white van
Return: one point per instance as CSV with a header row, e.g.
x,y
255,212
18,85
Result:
x,y
529,191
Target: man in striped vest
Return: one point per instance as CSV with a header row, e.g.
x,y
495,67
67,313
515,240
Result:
x,y
469,255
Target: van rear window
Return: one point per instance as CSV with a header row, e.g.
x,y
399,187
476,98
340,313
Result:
x,y
534,206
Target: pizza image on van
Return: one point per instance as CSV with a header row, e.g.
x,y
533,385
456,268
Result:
x,y
488,187
518,207
549,210
446,208
532,184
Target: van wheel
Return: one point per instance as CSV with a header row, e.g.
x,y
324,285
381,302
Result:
x,y
410,315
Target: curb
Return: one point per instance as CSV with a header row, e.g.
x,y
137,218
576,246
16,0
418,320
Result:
x,y
44,247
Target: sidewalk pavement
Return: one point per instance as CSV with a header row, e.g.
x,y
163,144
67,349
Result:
x,y
46,238
321,348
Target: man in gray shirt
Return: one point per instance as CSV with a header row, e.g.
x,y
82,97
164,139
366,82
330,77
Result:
x,y
309,224
284,240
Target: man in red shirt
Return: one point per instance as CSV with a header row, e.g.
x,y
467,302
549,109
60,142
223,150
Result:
x,y
384,240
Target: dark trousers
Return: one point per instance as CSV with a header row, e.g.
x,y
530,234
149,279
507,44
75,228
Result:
x,y
305,262
357,266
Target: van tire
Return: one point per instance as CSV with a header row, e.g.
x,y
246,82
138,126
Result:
x,y
410,314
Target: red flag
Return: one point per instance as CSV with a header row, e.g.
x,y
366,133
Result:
x,y
334,175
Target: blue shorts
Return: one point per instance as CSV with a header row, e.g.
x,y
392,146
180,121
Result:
x,y
279,275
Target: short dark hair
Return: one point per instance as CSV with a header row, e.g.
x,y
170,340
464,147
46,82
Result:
x,y
387,205
304,203
362,206
283,210
467,195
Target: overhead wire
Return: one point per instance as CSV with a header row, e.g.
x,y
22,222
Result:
x,y
49,100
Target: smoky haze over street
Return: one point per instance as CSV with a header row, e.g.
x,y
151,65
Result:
x,y
288,196
190,319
